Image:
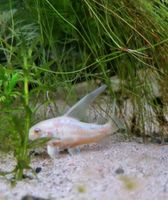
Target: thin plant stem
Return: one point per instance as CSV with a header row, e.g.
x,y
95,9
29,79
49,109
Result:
x,y
23,160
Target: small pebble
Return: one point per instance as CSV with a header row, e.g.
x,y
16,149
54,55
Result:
x,y
119,171
29,197
38,169
34,153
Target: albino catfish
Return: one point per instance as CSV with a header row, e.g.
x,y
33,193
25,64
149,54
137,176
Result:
x,y
68,132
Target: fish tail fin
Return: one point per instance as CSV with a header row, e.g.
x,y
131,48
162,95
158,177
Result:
x,y
114,124
111,127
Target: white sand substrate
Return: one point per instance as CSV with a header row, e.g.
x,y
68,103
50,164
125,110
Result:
x,y
112,170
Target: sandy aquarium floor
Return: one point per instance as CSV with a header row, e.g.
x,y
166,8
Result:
x,y
112,170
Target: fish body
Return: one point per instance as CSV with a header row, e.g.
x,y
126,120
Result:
x,y
67,128
68,132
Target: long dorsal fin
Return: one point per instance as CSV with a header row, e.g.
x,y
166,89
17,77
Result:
x,y
79,109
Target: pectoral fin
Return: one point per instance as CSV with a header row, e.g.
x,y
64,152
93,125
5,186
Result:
x,y
79,109
54,147
52,151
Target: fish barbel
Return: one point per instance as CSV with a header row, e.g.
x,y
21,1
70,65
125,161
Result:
x,y
68,132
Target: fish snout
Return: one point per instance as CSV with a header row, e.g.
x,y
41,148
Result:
x,y
34,133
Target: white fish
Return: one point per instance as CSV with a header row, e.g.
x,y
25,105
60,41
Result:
x,y
67,132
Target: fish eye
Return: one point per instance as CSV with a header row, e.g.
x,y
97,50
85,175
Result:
x,y
37,130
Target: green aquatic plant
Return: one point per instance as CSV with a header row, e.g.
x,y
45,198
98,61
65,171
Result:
x,y
8,83
16,75
10,92
125,38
